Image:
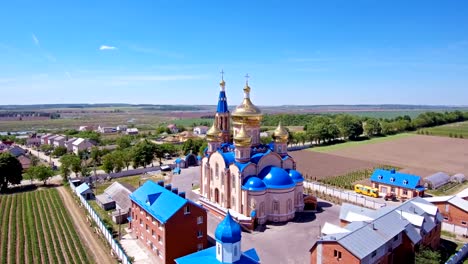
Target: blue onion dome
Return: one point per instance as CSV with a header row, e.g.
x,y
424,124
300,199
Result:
x,y
276,178
228,231
253,183
295,175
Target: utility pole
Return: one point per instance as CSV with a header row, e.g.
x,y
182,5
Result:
x,y
120,221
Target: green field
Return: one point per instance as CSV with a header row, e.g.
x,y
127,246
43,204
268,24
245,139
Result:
x,y
348,144
35,228
348,180
455,130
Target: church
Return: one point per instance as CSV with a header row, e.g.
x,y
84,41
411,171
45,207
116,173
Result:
x,y
253,180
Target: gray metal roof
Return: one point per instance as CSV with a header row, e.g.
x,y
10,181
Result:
x,y
438,179
120,194
459,202
104,199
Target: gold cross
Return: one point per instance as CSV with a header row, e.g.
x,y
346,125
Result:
x,y
222,74
247,78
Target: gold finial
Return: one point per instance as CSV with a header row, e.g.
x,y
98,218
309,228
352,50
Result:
x,y
242,139
213,134
247,87
222,83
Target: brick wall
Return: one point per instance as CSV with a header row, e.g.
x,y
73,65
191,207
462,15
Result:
x,y
452,214
331,251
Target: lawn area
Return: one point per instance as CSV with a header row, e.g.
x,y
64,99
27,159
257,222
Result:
x,y
454,130
448,189
348,144
107,218
36,228
134,181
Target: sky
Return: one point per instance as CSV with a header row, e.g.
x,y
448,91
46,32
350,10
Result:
x,y
295,52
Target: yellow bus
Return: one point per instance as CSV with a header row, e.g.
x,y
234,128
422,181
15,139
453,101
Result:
x,y
366,190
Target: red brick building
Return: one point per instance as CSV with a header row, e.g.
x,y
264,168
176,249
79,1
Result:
x,y
388,235
161,218
454,209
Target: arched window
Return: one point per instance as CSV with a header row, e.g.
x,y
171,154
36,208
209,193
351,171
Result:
x,y
211,175
233,203
233,181
235,251
289,205
222,178
217,170
275,207
299,197
262,209
219,249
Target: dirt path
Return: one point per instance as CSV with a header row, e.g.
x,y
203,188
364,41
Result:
x,y
98,251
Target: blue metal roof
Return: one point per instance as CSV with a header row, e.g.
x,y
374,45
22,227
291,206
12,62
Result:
x,y
178,160
257,157
228,231
253,183
391,177
159,202
242,166
222,103
208,256
82,188
228,157
295,175
276,178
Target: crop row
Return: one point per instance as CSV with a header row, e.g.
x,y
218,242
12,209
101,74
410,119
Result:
x,y
35,228
348,180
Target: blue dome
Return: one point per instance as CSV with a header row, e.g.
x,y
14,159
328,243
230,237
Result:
x,y
295,175
228,231
276,178
253,183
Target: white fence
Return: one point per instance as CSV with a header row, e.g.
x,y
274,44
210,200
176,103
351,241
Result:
x,y
114,245
459,256
455,229
343,195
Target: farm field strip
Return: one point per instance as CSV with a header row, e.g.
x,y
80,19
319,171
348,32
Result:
x,y
36,229
454,130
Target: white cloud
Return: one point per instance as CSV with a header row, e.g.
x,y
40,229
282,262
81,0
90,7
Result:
x,y
35,39
105,47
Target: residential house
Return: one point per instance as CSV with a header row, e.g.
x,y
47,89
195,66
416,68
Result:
x,y
132,131
59,141
161,218
45,139
69,144
81,144
33,140
454,209
388,235
16,151
122,128
25,162
117,196
405,186
186,135
50,140
85,191
200,130
106,130
173,128
85,128
228,236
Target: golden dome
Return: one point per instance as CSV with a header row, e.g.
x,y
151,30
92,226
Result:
x,y
280,134
222,83
213,134
247,108
242,139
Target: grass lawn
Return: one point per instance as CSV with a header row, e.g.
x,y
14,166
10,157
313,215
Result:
x,y
455,129
107,218
134,181
348,144
448,189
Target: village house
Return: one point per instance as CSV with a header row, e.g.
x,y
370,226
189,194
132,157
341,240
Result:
x,y
121,128
200,130
69,144
85,128
161,218
173,128
106,130
454,209
117,196
387,235
33,140
45,139
404,186
81,144
50,140
132,131
59,141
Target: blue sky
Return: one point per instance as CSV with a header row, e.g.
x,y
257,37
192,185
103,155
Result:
x,y
296,52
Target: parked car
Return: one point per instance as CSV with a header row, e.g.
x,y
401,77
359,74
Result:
x,y
390,196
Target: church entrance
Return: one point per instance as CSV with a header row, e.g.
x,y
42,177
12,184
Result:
x,y
217,195
191,160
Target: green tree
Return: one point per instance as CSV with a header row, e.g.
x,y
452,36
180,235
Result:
x,y
143,153
350,126
124,142
95,156
46,148
10,171
34,160
59,151
192,146
427,256
265,140
70,162
127,157
372,127
40,173
108,163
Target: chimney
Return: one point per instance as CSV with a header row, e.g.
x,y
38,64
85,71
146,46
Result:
x,y
168,187
373,226
175,190
161,183
182,194
392,171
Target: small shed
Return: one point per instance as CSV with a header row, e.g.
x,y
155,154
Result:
x,y
119,194
85,191
459,177
436,180
105,201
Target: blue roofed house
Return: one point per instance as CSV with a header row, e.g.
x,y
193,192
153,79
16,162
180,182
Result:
x,y
161,218
227,250
403,185
85,191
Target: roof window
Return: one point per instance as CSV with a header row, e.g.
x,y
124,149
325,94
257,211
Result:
x,y
380,177
405,182
392,179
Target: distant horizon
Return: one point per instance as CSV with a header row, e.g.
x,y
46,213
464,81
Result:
x,y
173,52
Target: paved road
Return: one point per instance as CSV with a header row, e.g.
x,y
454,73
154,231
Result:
x,y
95,246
